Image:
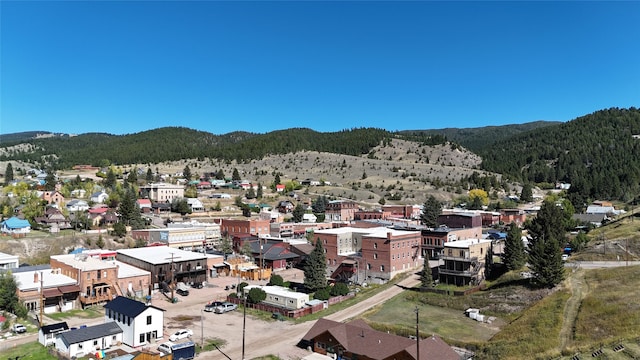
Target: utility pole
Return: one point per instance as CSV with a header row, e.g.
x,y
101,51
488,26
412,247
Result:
x,y
417,311
41,299
171,268
244,322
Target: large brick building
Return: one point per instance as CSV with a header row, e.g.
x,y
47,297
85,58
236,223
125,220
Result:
x,y
256,227
341,210
369,254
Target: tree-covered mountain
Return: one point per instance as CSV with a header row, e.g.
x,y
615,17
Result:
x,y
177,143
597,153
476,139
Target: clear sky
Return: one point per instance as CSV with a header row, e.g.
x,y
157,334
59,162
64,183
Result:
x,y
123,67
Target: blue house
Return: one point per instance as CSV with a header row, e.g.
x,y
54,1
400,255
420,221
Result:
x,y
15,226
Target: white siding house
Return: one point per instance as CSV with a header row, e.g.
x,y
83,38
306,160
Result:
x,y
81,342
141,324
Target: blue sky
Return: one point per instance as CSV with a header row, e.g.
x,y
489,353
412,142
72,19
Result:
x,y
123,67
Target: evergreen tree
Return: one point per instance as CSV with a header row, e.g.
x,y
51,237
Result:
x,y
50,180
149,176
276,181
515,255
298,213
100,242
431,209
426,278
181,206
130,210
488,263
251,194
132,178
259,192
186,172
8,174
527,193
236,175
220,175
547,237
315,268
110,180
320,205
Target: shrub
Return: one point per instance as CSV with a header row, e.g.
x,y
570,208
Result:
x,y
322,294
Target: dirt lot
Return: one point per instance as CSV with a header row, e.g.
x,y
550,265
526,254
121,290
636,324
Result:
x,y
261,337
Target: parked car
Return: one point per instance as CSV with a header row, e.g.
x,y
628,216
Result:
x,y
225,307
181,334
197,285
182,292
18,328
212,306
165,347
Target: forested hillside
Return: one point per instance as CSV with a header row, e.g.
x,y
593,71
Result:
x,y
476,139
597,153
176,143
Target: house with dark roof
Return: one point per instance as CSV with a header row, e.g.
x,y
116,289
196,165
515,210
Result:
x,y
141,323
89,340
356,339
47,333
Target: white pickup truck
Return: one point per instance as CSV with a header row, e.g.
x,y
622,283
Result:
x,y
18,328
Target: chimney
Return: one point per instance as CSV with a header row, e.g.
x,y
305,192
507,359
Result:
x,y
35,277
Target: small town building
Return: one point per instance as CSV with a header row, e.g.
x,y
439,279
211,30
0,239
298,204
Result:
x,y
141,323
89,340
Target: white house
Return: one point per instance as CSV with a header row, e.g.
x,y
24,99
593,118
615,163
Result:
x,y
99,197
195,204
141,324
47,333
89,340
281,296
8,261
309,218
77,205
15,226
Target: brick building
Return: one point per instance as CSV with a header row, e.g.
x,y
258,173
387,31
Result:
x,y
433,240
341,210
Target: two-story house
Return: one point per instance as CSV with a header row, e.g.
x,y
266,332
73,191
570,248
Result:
x,y
97,278
140,323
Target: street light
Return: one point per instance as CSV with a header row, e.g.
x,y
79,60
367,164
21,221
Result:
x,y
417,311
202,329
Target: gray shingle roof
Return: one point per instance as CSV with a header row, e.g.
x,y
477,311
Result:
x,y
90,333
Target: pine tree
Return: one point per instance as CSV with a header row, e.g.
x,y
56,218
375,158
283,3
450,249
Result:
x,y
236,175
110,180
488,263
515,255
149,176
298,213
8,174
527,193
130,210
276,181
186,172
426,278
315,268
259,191
547,237
431,209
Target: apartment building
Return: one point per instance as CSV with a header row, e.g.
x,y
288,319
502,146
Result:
x,y
464,262
162,192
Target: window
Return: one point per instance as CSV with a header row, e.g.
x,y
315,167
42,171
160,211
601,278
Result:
x,y
375,245
79,346
141,338
149,320
381,267
95,342
375,256
113,338
368,266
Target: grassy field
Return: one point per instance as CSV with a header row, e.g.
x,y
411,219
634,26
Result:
x,y
30,351
450,324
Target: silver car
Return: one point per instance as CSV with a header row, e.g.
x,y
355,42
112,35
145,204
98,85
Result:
x,y
225,307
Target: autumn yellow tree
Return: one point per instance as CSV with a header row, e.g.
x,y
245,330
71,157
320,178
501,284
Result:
x,y
478,198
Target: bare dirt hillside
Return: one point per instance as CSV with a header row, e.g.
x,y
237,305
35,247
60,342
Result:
x,y
409,170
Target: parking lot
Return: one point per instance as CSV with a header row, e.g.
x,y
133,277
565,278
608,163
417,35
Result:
x,y
188,313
